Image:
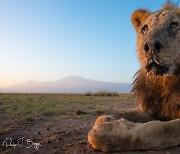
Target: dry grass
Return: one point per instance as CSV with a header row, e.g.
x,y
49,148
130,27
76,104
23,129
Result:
x,y
102,93
32,106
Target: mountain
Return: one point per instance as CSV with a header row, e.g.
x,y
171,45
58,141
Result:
x,y
70,84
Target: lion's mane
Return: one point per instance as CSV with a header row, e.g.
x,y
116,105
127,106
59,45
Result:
x,y
158,95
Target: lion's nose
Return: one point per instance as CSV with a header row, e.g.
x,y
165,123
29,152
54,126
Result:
x,y
155,46
146,47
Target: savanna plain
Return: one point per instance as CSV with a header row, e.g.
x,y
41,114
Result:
x,y
57,123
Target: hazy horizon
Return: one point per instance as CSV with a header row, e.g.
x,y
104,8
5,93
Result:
x,y
31,80
48,40
70,84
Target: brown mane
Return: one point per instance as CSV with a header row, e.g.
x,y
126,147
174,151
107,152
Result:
x,y
170,6
158,95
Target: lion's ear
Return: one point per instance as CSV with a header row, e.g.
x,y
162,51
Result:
x,y
138,18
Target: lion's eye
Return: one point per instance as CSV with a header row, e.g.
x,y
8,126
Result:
x,y
173,25
144,29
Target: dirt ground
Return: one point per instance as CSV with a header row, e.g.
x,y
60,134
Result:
x,y
56,135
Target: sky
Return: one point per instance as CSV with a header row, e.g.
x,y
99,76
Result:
x,y
46,40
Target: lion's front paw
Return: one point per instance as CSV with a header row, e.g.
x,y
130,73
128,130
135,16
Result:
x,y
99,136
109,136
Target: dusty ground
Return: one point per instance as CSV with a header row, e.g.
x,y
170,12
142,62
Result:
x,y
56,134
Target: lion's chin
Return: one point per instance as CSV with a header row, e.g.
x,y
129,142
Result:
x,y
160,71
157,68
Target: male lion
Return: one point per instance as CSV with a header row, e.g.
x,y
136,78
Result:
x,y
156,87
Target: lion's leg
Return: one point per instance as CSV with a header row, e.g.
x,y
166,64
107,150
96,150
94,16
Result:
x,y
124,135
134,115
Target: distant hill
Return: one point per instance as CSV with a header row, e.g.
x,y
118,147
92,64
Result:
x,y
71,84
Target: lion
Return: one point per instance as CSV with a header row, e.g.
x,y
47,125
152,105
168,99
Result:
x,y
155,123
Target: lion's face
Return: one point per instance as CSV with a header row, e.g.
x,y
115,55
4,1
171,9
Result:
x,y
158,40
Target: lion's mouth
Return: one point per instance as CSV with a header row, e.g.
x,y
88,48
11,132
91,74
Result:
x,y
159,69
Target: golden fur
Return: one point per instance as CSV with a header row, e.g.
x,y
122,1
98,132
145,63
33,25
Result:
x,y
156,87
